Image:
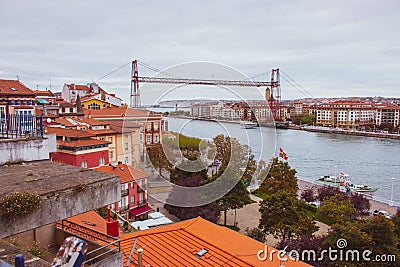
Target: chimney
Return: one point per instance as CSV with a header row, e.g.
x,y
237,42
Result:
x,y
139,261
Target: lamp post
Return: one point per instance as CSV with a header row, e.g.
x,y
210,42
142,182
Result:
x,y
335,173
391,194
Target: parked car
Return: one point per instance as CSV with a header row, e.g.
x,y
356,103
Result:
x,y
381,212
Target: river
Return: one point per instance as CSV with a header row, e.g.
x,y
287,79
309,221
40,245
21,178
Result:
x,y
368,160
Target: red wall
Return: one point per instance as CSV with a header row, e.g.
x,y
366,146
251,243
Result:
x,y
92,158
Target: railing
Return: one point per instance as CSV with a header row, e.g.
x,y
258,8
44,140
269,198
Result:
x,y
20,126
108,243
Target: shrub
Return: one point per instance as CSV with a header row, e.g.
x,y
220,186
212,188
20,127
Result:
x,y
17,204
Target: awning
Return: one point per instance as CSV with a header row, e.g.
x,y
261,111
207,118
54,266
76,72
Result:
x,y
42,101
141,210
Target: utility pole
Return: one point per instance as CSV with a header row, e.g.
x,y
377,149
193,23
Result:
x,y
391,195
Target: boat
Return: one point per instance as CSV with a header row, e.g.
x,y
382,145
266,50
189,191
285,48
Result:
x,y
362,188
248,124
343,182
337,181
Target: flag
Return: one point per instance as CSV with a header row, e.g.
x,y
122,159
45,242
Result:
x,y
282,154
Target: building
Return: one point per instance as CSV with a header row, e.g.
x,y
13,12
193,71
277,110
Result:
x,y
79,148
387,116
197,242
16,98
94,96
151,123
344,114
133,204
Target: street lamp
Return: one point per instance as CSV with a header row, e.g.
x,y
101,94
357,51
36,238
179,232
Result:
x,y
335,173
391,195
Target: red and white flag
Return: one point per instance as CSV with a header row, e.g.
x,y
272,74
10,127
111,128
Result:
x,y
282,154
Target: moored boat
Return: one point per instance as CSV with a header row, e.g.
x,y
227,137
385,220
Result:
x,y
248,124
343,182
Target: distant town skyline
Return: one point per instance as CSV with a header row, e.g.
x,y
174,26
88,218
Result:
x,y
331,49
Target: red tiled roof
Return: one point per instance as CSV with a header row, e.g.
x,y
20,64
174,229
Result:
x,y
81,143
65,122
90,220
18,88
176,245
125,172
69,132
78,87
101,132
92,122
44,93
122,126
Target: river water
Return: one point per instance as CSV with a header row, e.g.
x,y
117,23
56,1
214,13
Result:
x,y
368,160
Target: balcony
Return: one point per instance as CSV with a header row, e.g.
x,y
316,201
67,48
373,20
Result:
x,y
123,208
141,189
20,126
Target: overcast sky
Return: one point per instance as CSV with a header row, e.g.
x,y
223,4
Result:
x,y
331,48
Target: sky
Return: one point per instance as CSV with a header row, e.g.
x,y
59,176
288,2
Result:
x,y
329,48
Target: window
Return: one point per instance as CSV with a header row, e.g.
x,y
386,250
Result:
x,y
2,111
126,146
111,155
133,199
126,160
102,161
156,138
148,138
155,126
148,127
84,164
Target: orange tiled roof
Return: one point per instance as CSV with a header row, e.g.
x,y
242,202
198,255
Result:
x,y
78,87
122,126
14,87
65,122
177,244
125,172
101,132
81,142
92,122
69,132
90,220
43,93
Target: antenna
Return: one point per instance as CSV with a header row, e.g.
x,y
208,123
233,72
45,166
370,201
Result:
x,y
17,77
50,82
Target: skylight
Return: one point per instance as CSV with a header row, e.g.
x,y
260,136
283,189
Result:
x,y
13,89
201,253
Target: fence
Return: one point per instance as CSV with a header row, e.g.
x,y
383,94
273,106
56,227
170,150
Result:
x,y
20,126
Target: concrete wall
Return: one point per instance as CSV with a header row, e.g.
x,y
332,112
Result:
x,y
45,236
26,150
64,204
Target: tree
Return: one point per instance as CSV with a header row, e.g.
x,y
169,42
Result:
x,y
355,239
382,231
180,177
308,194
256,234
158,158
360,202
396,223
280,177
337,209
303,244
304,119
327,191
236,198
284,216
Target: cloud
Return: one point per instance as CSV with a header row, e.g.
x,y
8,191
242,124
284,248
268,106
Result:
x,y
332,49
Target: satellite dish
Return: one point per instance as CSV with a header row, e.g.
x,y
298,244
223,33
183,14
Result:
x,y
48,120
